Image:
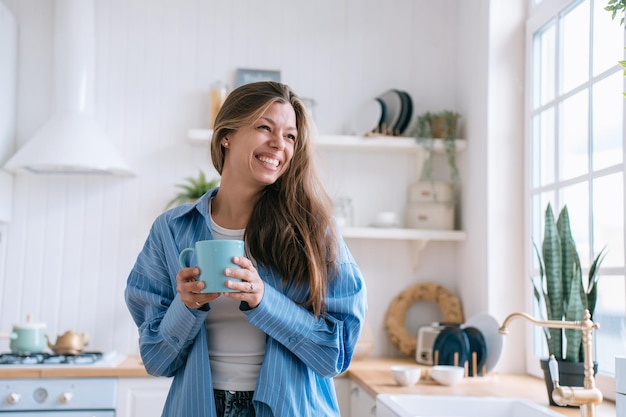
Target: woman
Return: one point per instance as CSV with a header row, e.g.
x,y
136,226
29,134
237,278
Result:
x,y
273,347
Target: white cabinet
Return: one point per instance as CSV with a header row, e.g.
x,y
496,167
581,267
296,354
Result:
x,y
145,397
8,85
141,397
361,403
342,388
620,386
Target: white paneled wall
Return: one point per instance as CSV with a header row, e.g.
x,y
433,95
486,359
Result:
x,y
73,239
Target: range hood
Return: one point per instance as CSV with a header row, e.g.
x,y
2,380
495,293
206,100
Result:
x,y
71,142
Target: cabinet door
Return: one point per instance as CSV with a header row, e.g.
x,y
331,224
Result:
x,y
342,388
361,403
141,397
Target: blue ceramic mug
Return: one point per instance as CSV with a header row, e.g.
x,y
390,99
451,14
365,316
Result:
x,y
212,257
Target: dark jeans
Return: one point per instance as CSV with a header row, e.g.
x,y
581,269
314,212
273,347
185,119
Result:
x,y
234,403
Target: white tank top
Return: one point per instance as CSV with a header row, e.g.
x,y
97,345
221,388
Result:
x,y
236,348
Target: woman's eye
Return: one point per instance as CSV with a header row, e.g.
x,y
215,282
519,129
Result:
x,y
265,127
291,137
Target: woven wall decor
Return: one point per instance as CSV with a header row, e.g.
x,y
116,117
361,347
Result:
x,y
395,320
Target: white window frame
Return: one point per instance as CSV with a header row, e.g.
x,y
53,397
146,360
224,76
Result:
x,y
538,16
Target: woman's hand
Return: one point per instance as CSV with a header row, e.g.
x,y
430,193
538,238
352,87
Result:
x,y
189,288
251,286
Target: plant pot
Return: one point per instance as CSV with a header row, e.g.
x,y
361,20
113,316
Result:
x,y
571,374
442,127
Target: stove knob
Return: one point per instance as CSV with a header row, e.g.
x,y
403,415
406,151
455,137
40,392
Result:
x,y
66,397
14,398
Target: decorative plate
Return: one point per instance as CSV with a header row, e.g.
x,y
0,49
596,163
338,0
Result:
x,y
368,118
406,113
478,345
393,109
451,342
489,327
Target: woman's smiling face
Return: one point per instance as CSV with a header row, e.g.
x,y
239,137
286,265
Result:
x,y
258,154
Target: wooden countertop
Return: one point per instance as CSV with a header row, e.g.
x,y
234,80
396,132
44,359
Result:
x,y
374,376
130,367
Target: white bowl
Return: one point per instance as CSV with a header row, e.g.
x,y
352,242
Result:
x,y
447,374
406,375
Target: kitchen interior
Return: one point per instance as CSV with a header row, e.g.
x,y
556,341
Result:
x,y
69,240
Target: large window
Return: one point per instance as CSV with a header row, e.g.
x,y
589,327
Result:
x,y
576,147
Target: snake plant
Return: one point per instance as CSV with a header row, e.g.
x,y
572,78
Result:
x,y
561,288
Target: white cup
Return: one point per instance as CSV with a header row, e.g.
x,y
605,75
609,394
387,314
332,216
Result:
x,y
387,218
406,376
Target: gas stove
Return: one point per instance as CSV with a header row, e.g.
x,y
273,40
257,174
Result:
x,y
76,397
83,358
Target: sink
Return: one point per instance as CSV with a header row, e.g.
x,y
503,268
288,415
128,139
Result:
x,y
408,405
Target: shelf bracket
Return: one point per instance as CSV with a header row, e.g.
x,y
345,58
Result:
x,y
416,248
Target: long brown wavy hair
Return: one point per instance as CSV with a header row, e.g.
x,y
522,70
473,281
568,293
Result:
x,y
291,227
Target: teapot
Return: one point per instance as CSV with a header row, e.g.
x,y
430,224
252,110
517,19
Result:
x,y
70,343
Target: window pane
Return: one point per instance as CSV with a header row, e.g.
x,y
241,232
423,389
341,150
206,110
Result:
x,y
610,314
544,148
575,44
608,108
608,219
577,151
544,65
539,205
574,133
576,197
608,39
537,210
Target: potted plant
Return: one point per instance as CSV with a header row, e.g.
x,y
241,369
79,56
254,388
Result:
x,y
192,189
442,125
562,294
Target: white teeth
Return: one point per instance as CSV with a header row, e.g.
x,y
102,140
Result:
x,y
269,161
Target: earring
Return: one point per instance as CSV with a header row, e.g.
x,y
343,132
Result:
x,y
225,144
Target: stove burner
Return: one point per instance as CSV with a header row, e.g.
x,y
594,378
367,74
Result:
x,y
83,358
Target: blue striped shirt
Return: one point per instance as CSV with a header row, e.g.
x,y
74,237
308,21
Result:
x,y
303,353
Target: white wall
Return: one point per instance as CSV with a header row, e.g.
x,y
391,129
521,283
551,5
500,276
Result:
x,y
491,95
73,240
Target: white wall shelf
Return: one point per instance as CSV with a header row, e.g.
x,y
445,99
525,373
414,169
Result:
x,y
199,136
347,142
378,143
401,234
417,238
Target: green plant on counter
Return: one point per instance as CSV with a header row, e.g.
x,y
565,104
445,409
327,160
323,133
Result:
x,y
561,292
442,125
192,189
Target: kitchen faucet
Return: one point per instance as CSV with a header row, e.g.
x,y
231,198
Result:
x,y
587,396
